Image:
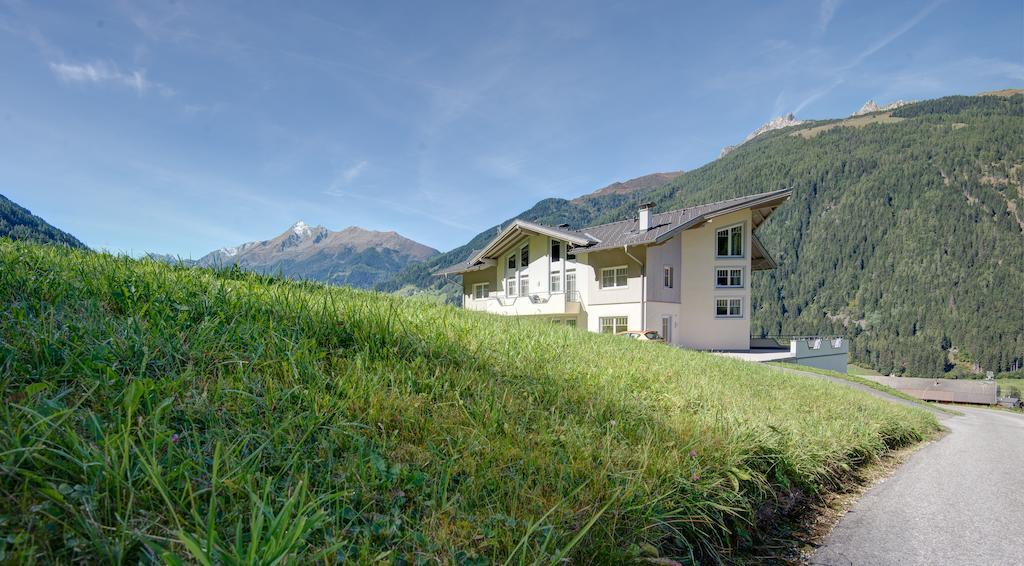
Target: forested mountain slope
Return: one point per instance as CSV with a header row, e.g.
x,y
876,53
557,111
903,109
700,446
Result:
x,y
905,231
18,223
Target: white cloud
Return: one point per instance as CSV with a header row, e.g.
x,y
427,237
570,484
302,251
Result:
x,y
353,172
826,12
102,72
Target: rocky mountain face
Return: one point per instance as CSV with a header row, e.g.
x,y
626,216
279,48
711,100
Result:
x,y
18,223
354,256
773,124
870,107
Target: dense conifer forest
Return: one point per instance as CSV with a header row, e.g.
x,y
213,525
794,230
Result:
x,y
905,232
18,223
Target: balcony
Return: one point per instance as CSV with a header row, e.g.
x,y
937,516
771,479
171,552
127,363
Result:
x,y
526,305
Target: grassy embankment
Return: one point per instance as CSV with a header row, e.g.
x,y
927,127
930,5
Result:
x,y
154,411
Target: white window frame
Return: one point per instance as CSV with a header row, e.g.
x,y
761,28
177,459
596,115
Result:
x,y
615,277
615,320
574,289
729,269
481,290
570,322
743,241
555,282
730,302
669,277
511,286
551,250
524,285
666,328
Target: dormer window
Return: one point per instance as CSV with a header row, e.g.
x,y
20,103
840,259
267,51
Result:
x,y
729,241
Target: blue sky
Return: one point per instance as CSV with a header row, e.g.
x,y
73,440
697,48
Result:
x,y
182,127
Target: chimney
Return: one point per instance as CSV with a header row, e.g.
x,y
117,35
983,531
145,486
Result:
x,y
644,219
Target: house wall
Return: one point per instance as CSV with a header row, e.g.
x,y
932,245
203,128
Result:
x,y
591,277
629,310
539,273
699,327
667,254
654,313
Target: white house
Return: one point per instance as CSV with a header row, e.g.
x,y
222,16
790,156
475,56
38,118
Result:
x,y
685,273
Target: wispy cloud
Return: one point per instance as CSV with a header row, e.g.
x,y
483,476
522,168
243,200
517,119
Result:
x,y
826,11
103,72
875,47
346,177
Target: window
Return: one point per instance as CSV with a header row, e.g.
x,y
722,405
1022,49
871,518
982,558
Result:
x,y
569,256
570,281
729,277
481,290
669,276
613,277
666,328
556,251
524,256
512,261
729,308
571,322
613,324
730,241
524,285
556,281
556,321
510,286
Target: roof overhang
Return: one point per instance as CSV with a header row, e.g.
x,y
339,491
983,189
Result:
x,y
463,267
760,209
760,259
522,228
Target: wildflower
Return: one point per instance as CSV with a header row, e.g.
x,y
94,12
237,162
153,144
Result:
x,y
693,453
174,438
696,477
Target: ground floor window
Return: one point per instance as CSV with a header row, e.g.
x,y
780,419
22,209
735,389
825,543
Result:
x,y
570,322
666,328
729,307
524,285
481,290
613,324
556,281
510,286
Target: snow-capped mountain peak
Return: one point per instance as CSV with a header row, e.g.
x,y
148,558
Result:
x,y
301,229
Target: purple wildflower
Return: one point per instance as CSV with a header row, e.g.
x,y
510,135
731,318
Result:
x,y
696,477
174,438
693,453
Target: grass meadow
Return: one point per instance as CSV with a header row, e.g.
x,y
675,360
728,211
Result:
x,y
159,413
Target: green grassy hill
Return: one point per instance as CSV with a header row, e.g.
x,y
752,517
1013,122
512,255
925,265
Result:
x,y
153,411
905,232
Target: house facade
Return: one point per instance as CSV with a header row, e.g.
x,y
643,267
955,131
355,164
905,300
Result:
x,y
684,273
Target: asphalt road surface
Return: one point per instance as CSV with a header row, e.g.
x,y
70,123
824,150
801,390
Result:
x,y
959,500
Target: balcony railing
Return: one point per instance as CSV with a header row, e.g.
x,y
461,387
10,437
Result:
x,y
534,298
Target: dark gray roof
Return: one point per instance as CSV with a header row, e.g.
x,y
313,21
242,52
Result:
x,y
624,232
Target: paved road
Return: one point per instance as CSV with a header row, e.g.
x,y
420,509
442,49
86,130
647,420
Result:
x,y
959,500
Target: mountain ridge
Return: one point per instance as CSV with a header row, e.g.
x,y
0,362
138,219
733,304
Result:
x,y
352,256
